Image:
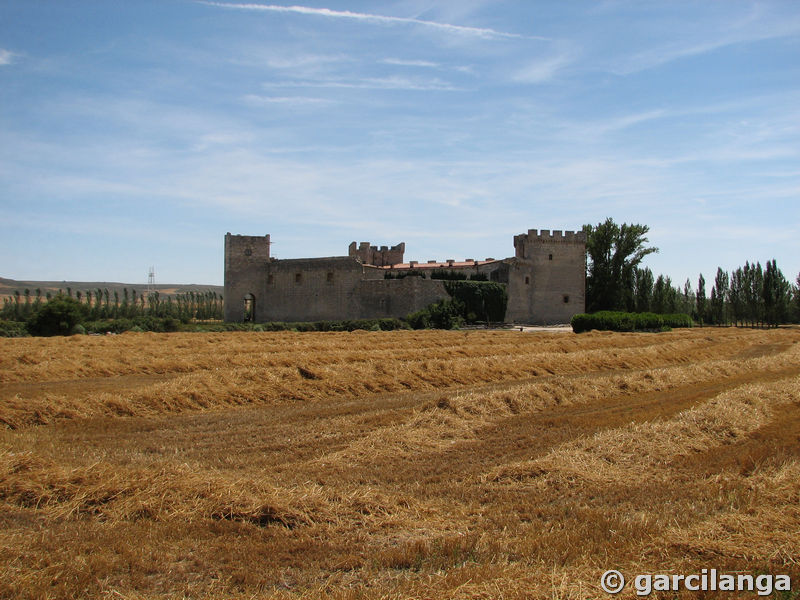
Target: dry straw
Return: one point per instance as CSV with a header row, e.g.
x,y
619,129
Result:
x,y
393,465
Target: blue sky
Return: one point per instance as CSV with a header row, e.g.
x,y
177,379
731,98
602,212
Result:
x,y
136,133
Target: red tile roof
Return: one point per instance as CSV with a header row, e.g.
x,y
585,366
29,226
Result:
x,y
437,265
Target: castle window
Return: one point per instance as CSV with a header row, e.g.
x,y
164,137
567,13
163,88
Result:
x,y
527,280
330,277
550,257
248,252
298,277
566,299
270,279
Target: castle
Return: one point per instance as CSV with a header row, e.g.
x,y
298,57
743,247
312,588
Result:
x,y
545,280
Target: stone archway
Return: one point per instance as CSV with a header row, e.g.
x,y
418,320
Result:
x,y
249,308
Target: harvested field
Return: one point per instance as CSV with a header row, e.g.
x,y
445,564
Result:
x,y
395,464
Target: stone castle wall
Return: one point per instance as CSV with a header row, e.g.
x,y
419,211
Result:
x,y
545,279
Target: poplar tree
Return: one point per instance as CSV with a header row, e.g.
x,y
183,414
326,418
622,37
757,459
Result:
x,y
712,302
701,299
721,282
98,303
775,294
736,296
613,254
643,283
797,299
660,293
688,298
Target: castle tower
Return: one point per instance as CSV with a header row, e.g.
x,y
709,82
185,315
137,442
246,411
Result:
x,y
547,280
245,259
380,257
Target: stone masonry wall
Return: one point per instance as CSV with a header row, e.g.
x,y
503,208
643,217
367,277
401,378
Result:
x,y
380,257
399,297
547,280
246,256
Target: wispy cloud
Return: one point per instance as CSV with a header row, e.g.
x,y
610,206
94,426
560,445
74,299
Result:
x,y
303,61
373,83
289,101
427,64
543,70
411,63
6,57
738,34
481,32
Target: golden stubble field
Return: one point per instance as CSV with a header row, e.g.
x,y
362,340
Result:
x,y
394,464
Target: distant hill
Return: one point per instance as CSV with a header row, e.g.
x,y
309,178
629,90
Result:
x,y
9,286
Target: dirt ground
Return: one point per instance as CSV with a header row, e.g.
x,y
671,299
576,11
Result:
x,y
478,464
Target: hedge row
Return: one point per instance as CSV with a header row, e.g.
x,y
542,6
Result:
x,y
167,324
608,320
349,325
158,324
436,274
13,329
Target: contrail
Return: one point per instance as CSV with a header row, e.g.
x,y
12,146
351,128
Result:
x,y
346,14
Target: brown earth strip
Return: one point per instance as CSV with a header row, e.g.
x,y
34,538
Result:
x,y
530,435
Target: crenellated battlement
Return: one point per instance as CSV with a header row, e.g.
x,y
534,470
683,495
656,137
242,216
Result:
x,y
556,235
536,241
378,256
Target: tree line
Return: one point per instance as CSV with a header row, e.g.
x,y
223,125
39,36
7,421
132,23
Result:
x,y
749,295
102,304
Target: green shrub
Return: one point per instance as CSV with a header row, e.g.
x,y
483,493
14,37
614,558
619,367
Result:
x,y
13,329
677,320
346,325
404,274
78,330
109,325
140,323
482,300
471,302
448,275
444,314
392,324
57,317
